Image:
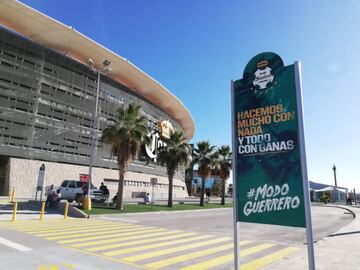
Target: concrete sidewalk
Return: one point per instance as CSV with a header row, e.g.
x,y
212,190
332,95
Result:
x,y
340,250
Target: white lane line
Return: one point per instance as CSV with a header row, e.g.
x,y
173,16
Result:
x,y
13,245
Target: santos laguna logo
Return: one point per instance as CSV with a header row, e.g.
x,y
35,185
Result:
x,y
165,128
263,76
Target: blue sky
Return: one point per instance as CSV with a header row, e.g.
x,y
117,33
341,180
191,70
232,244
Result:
x,y
195,48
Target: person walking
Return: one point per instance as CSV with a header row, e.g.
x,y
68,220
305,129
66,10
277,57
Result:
x,y
106,193
208,194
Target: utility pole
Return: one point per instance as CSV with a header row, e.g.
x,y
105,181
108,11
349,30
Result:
x,y
355,202
334,169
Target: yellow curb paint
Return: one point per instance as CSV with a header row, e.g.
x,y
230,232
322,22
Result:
x,y
261,262
153,254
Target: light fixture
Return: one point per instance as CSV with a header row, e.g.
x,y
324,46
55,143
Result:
x,y
106,62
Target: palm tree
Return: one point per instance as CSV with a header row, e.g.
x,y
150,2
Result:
x,y
176,153
125,138
223,167
204,156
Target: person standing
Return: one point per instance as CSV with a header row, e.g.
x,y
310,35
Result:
x,y
49,193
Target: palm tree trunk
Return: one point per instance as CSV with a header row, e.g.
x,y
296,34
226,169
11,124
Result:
x,y
202,191
120,193
223,192
170,198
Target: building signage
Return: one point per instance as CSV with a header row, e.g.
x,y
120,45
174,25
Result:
x,y
40,182
165,129
156,136
269,181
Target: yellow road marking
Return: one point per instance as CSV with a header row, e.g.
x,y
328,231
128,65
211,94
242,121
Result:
x,y
257,264
70,266
69,228
97,233
82,230
32,223
226,258
108,258
151,246
148,255
53,227
187,257
142,241
194,255
84,239
252,250
122,239
48,267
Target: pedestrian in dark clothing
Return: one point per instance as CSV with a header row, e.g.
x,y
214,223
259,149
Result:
x,y
106,193
208,194
102,187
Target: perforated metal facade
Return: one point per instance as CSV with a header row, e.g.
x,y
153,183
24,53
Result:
x,y
46,106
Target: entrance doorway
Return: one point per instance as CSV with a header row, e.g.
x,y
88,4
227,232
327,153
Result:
x,y
4,185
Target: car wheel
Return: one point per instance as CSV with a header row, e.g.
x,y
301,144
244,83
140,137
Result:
x,y
70,201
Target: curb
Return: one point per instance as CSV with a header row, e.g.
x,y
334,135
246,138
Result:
x,y
342,207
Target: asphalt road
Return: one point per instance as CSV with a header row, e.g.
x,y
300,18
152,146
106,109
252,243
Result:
x,y
326,220
20,250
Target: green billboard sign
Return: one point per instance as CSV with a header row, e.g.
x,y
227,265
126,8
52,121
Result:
x,y
268,174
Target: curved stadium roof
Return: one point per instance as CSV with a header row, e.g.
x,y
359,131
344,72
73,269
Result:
x,y
66,40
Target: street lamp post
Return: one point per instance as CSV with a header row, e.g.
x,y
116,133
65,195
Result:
x,y
334,169
106,63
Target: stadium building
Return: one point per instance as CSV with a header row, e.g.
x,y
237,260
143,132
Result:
x,y
48,92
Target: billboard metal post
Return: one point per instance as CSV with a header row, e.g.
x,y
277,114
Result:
x,y
234,160
309,232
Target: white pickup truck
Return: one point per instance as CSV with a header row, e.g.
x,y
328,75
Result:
x,y
71,190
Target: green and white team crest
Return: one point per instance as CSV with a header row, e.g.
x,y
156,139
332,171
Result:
x,y
263,76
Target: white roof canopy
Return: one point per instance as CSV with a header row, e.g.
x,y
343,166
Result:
x,y
66,40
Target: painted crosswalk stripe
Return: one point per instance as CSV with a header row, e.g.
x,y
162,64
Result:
x,y
93,229
153,254
261,262
73,227
122,239
192,256
163,244
63,227
102,232
36,223
141,242
84,239
227,258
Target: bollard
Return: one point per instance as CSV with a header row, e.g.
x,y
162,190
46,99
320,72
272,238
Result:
x,y
66,209
14,212
12,194
42,210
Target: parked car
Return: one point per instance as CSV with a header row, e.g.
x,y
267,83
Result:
x,y
72,190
